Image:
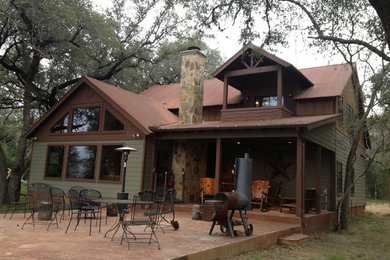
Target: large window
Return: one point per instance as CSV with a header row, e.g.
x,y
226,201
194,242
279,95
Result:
x,y
85,119
339,178
110,163
61,126
111,123
81,162
54,161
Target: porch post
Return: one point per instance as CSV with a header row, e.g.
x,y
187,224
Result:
x,y
218,155
225,92
279,86
318,179
300,176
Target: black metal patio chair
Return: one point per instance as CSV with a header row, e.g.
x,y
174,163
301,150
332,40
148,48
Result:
x,y
15,202
60,200
81,209
166,212
90,196
39,200
139,216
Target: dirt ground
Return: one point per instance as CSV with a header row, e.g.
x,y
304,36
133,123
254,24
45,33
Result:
x,y
379,208
367,238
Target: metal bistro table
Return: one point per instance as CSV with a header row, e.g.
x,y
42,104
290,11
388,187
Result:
x,y
122,206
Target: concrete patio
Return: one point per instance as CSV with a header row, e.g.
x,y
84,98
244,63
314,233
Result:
x,y
191,241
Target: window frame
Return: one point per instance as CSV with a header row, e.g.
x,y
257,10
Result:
x,y
99,164
105,108
96,178
64,157
67,161
85,106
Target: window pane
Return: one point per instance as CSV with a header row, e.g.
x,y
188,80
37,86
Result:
x,y
265,102
61,126
86,119
110,167
81,162
54,160
273,101
111,123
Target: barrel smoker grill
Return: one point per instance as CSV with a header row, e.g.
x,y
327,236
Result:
x,y
217,210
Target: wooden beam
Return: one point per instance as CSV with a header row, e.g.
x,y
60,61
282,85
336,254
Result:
x,y
300,210
225,92
279,87
318,179
250,71
218,156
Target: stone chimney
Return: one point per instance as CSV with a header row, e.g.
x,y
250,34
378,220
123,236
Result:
x,y
191,91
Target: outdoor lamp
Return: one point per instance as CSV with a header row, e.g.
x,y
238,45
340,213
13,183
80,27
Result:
x,y
125,151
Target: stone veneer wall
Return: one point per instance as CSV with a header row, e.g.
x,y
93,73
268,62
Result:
x,y
189,157
191,91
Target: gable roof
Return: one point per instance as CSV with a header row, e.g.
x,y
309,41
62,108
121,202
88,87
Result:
x,y
143,112
212,94
329,81
236,59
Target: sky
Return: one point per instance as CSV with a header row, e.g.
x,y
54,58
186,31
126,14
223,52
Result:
x,y
298,53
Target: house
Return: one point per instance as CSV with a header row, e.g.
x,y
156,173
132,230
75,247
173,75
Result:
x,y
292,123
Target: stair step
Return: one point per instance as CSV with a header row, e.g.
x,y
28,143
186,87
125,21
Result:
x,y
293,240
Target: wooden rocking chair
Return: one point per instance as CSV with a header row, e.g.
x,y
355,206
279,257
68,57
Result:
x,y
206,188
260,190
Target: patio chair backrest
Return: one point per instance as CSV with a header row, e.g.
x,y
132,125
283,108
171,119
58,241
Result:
x,y
89,195
39,193
77,188
147,195
58,196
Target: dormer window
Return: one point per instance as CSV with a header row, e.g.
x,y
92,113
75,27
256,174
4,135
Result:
x,y
85,119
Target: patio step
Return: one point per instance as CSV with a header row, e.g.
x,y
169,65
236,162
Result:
x,y
293,240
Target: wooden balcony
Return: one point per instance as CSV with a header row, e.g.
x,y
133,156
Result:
x,y
255,113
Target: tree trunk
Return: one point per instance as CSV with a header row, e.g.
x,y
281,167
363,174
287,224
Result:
x,y
344,214
19,166
3,177
382,8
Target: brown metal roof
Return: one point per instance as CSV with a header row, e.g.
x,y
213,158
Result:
x,y
143,112
309,122
329,81
146,111
212,94
236,59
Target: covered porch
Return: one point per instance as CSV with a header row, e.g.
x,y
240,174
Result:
x,y
283,157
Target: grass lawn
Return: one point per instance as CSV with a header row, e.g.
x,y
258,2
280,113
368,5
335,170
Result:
x,y
367,238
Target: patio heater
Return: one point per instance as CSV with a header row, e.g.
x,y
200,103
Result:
x,y
125,151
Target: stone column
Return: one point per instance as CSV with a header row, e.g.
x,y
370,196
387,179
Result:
x,y
191,91
189,157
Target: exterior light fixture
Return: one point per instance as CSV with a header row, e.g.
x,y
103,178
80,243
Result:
x,y
125,151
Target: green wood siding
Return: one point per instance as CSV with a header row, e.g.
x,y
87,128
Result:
x,y
332,139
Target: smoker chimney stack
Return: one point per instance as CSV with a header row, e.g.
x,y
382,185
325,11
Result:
x,y
191,91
